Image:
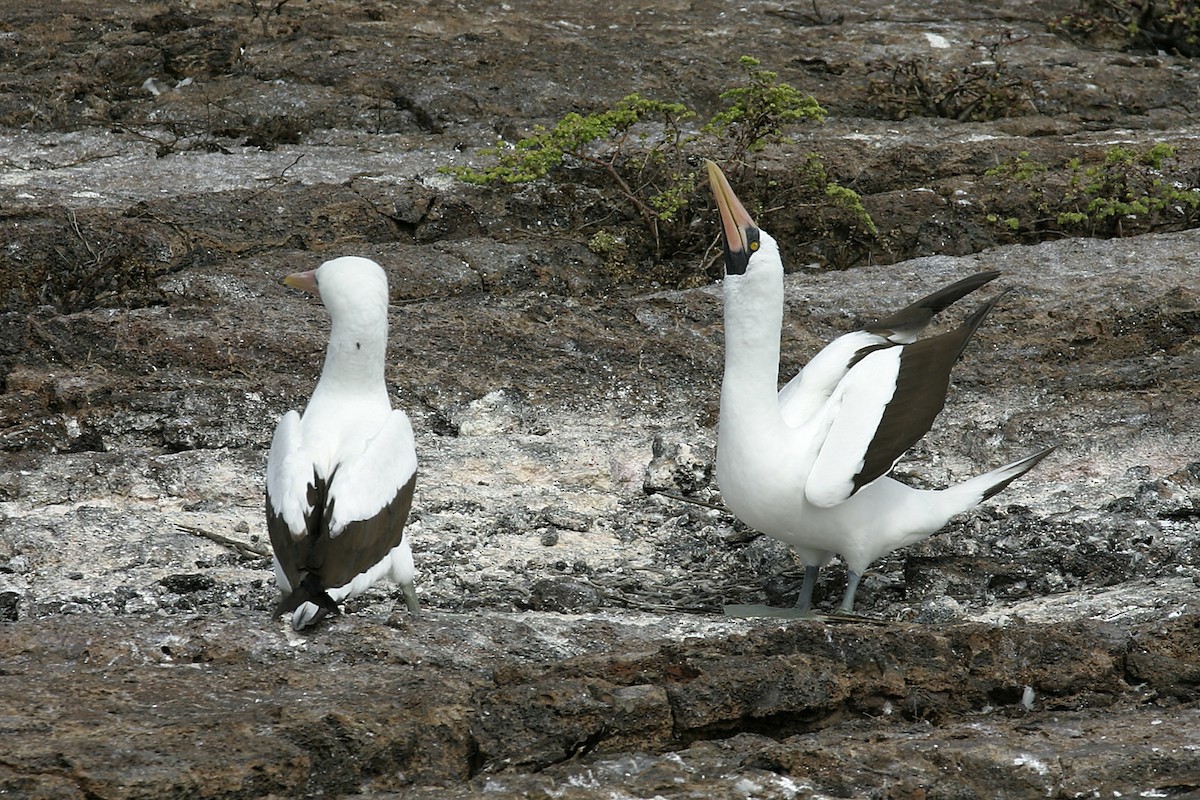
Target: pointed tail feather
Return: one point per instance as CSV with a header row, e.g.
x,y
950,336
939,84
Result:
x,y
987,485
1009,473
308,604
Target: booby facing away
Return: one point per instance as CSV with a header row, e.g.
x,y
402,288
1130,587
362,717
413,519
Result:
x,y
340,477
808,464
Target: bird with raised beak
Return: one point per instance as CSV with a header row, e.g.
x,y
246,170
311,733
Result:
x,y
808,464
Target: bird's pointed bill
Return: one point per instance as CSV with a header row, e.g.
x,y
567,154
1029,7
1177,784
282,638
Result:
x,y
304,281
737,226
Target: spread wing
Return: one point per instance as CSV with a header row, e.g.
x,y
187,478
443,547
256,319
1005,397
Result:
x,y
886,402
806,393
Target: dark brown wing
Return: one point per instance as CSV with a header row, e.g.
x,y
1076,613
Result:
x,y
905,324
319,561
361,544
921,385
292,553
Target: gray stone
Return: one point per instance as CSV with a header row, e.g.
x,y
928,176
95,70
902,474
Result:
x,y
572,640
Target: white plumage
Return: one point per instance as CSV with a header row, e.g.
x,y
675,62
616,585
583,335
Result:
x,y
340,477
807,464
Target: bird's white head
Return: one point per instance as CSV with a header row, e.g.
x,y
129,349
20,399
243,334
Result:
x,y
750,252
350,287
355,292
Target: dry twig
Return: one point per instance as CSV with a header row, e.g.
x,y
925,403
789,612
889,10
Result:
x,y
240,547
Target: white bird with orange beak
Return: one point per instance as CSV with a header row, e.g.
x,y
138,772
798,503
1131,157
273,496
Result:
x,y
340,477
808,464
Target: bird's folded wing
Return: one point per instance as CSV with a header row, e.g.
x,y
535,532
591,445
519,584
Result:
x,y
364,484
370,495
289,475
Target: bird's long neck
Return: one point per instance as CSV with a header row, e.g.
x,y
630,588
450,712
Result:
x,y
753,316
356,354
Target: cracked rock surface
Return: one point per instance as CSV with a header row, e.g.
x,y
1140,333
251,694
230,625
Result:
x,y
161,167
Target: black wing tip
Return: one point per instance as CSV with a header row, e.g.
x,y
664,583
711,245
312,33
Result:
x,y
966,330
945,297
916,315
921,386
299,597
987,276
982,310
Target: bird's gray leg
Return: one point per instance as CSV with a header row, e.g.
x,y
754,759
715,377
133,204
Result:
x,y
851,587
801,611
804,601
410,598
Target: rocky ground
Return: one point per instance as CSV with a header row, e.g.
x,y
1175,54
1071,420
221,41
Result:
x,y
161,167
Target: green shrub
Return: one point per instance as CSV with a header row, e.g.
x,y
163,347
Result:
x,y
758,112
647,152
1126,191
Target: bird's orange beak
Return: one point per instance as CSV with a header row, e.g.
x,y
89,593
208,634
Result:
x,y
737,226
304,281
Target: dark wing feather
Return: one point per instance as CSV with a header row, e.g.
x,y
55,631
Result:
x,y
316,562
921,385
291,552
295,554
363,543
905,324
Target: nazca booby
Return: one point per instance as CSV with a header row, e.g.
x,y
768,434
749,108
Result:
x,y
808,463
340,477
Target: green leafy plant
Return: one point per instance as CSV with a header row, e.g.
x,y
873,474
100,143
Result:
x,y
759,110
1012,223
646,149
1125,191
575,135
1127,186
839,211
647,167
1020,168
